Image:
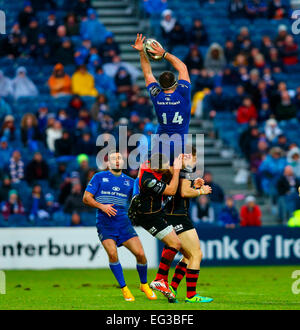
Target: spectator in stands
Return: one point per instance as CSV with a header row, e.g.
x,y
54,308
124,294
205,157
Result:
x,y
36,204
41,52
51,25
194,60
100,105
29,131
111,69
264,113
123,80
72,25
75,105
66,122
237,9
76,220
83,83
8,128
64,53
216,102
93,28
167,24
12,206
33,30
26,15
250,213
215,60
270,170
293,158
37,169
229,216
289,51
217,197
74,201
22,85
86,144
287,187
5,188
277,9
59,176
16,167
94,62
64,145
5,85
249,142
274,61
61,33
272,130
155,7
282,142
229,51
5,150
256,8
53,132
103,82
202,212
282,34
177,36
246,111
109,48
198,34
285,110
59,82
83,169
51,205
256,158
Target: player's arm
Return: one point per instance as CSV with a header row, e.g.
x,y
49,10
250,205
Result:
x,y
172,187
174,61
145,64
88,199
187,191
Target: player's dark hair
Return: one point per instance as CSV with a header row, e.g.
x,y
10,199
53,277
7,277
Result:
x,y
190,149
167,80
157,161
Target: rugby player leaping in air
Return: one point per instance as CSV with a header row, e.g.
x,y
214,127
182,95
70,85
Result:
x,y
171,98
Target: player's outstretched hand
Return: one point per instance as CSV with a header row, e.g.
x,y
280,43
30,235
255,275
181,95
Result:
x,y
109,210
157,49
206,190
178,162
139,42
198,183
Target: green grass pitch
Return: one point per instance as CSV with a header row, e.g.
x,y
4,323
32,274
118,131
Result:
x,y
231,287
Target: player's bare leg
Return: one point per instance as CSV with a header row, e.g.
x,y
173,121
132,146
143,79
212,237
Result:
x,y
110,247
169,252
189,266
134,245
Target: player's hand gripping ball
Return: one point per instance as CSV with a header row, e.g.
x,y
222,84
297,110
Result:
x,y
149,50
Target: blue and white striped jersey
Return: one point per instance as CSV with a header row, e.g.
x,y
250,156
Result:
x,y
108,188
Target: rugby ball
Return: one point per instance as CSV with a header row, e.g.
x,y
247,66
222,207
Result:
x,y
148,49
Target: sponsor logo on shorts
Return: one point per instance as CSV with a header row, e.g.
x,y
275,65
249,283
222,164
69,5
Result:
x,y
178,228
152,230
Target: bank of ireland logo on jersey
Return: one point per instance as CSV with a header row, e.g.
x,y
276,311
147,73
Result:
x,y
2,282
2,22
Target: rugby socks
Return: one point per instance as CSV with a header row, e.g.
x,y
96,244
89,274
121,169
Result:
x,y
117,270
179,274
142,270
191,282
167,256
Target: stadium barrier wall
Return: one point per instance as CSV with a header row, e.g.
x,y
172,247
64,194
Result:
x,y
50,248
249,246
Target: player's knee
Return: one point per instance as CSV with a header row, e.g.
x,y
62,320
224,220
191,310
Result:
x,y
175,244
196,254
140,257
113,257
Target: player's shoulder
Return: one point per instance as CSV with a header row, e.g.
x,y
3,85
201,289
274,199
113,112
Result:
x,y
100,175
154,89
128,178
184,84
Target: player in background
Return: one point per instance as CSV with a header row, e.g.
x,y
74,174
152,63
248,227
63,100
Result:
x,y
146,210
177,211
110,192
171,98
